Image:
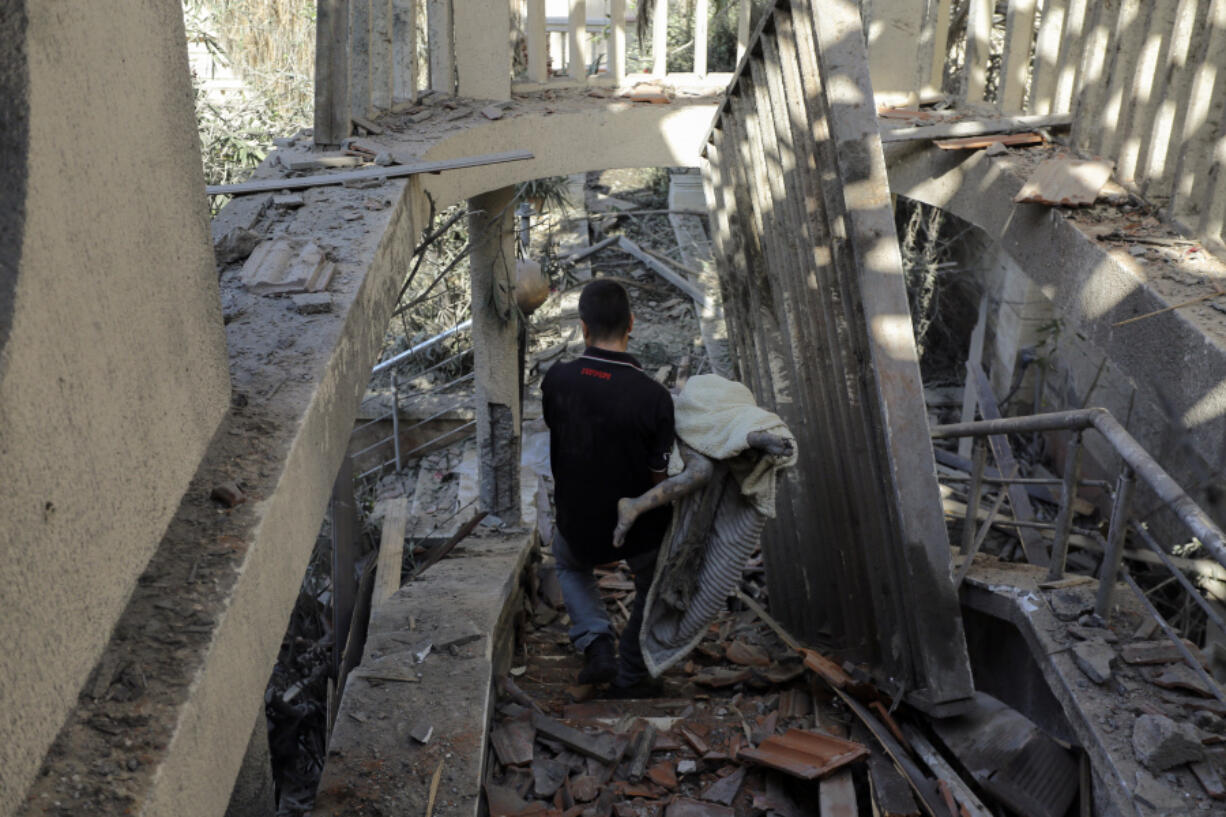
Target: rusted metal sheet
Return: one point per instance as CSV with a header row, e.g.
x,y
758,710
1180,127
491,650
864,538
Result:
x,y
805,754
817,310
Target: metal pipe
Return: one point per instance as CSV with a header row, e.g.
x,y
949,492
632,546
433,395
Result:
x,y
1192,589
1114,554
382,441
1131,451
396,420
425,344
438,414
445,434
464,378
1064,520
1081,483
978,462
1188,657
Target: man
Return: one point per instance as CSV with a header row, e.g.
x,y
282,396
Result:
x,y
610,433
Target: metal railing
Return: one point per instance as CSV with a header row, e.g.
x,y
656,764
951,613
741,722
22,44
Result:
x,y
579,37
1136,463
394,366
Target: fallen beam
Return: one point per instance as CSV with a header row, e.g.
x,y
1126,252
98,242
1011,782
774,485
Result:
x,y
396,171
976,127
672,276
391,550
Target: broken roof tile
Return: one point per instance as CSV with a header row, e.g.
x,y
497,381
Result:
x,y
804,753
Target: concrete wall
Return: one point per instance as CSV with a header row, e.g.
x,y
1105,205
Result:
x,y
112,360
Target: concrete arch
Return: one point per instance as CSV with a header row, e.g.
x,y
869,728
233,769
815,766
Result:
x,y
609,135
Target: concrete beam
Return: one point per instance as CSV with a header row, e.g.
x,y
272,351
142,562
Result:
x,y
112,354
1164,372
496,351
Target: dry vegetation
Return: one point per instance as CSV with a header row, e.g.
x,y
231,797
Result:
x,y
271,45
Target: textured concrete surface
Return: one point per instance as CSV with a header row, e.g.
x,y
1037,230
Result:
x,y
112,358
1099,718
463,609
1163,374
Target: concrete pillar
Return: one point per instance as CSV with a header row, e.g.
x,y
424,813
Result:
x,y
481,34
496,329
253,789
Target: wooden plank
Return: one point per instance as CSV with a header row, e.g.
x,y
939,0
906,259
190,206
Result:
x,y
977,127
1019,500
971,804
576,48
1015,61
837,796
332,123
395,171
980,142
391,550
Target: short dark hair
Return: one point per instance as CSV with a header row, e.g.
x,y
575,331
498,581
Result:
x,y
605,307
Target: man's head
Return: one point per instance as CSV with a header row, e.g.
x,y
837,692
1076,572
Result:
x,y
604,309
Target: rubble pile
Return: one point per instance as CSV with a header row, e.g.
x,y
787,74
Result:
x,y
746,725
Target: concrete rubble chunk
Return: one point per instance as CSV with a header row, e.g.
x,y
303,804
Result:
x,y
1068,604
548,776
1094,659
512,742
1162,651
725,789
1160,743
228,494
663,774
1092,634
602,747
1181,676
236,245
312,303
747,655
684,807
282,267
584,788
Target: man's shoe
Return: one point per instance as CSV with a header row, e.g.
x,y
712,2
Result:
x,y
600,663
645,687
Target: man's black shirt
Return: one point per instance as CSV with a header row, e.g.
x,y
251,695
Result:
x,y
610,428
